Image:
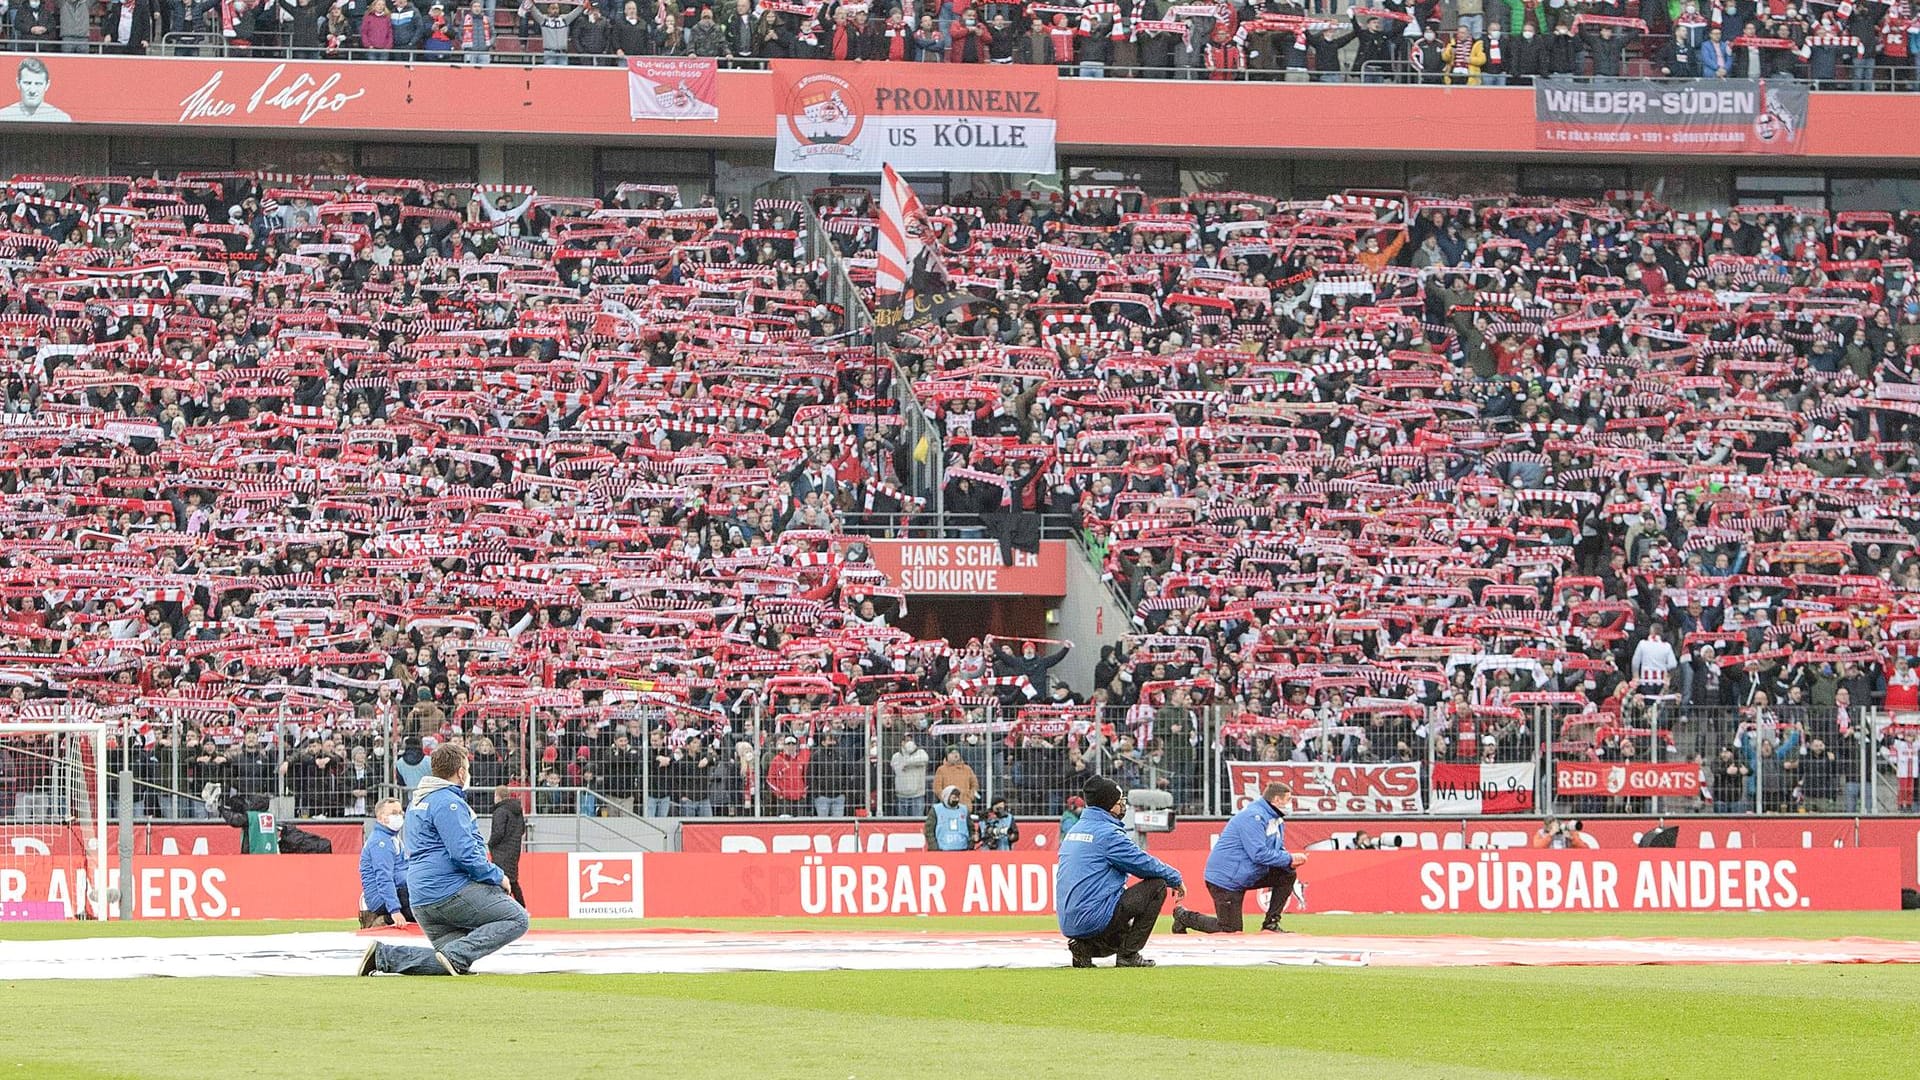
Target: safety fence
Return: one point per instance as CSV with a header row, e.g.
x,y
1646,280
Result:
x,y
782,756
517,42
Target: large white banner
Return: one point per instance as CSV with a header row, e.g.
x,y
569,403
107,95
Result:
x,y
673,88
852,118
1332,787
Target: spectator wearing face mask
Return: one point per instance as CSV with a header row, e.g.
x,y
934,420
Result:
x,y
909,765
1529,60
970,41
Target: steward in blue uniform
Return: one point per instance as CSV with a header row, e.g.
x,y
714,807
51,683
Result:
x,y
1099,914
1251,854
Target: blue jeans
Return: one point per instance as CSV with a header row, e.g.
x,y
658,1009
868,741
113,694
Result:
x,y
694,808
911,806
829,806
659,807
474,923
1093,69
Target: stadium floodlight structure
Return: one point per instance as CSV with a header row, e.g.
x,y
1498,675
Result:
x,y
53,815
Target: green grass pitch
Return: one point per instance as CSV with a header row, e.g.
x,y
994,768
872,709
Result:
x,y
1641,1023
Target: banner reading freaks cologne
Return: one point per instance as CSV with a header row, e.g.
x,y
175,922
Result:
x,y
1700,116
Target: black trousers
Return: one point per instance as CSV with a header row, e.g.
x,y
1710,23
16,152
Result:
x,y
1227,903
1132,922
383,918
511,867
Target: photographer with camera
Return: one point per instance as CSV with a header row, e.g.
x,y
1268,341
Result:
x,y
998,830
1558,834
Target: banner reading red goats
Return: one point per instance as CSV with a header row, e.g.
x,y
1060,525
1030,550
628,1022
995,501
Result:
x,y
1634,780
1706,116
851,118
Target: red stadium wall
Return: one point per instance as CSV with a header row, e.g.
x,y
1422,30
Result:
x,y
1818,879
156,839
681,885
448,100
1901,835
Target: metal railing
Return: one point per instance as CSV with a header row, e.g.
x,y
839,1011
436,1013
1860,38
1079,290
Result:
x,y
940,525
208,45
793,756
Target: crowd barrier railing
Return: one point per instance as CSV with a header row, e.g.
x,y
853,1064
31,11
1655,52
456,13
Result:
x,y
788,756
1878,77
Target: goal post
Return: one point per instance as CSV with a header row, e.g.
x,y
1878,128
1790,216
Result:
x,y
55,804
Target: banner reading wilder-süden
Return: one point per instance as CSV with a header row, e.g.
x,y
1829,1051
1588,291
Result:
x,y
848,118
1701,116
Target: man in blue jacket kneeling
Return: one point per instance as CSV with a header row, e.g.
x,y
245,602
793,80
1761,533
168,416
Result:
x,y
1099,914
460,900
1251,854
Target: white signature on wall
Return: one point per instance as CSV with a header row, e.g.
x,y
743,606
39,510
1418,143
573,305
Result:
x,y
304,95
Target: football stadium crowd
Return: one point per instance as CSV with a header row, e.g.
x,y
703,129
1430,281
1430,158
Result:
x,y
305,475
1868,45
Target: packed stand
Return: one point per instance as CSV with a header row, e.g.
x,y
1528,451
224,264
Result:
x,y
305,474
1395,477
1852,46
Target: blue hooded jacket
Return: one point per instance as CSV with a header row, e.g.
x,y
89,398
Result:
x,y
1095,859
1253,843
381,870
444,849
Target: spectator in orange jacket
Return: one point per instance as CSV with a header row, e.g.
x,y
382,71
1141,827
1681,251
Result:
x,y
955,772
1375,257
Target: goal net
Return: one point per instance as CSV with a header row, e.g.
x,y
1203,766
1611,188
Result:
x,y
54,858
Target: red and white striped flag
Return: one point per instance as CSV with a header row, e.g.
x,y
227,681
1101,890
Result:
x,y
902,220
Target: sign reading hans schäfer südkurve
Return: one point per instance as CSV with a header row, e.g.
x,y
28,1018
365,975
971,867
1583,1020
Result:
x,y
1703,116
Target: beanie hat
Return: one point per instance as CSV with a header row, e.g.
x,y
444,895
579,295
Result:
x,y
1101,792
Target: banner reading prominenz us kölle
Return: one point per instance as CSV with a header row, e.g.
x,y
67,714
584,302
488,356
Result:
x,y
848,118
1702,116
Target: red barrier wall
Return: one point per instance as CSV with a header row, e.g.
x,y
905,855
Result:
x,y
678,885
211,839
1309,833
976,883
448,100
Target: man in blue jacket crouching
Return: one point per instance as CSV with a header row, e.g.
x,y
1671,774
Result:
x,y
460,900
1251,854
1099,914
